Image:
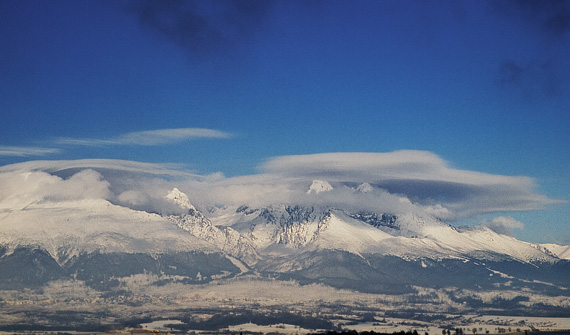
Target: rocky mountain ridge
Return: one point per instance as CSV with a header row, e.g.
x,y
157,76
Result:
x,y
366,251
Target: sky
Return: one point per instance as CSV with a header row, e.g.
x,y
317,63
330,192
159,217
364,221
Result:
x,y
470,97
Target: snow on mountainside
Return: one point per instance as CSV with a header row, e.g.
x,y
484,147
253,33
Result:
x,y
364,188
94,228
291,226
561,251
313,242
410,236
67,228
319,186
344,233
45,239
225,239
180,199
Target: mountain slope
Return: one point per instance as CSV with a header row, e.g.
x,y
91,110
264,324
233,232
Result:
x,y
94,240
561,251
67,228
409,236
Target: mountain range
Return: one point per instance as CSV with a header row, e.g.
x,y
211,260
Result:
x,y
94,240
83,242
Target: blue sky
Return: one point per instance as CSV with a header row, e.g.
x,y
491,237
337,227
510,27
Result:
x,y
484,85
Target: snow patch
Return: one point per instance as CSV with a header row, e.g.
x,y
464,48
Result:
x,y
561,251
319,186
67,228
242,267
179,198
364,188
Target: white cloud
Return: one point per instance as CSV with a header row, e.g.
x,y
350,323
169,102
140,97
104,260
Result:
x,y
85,184
398,165
503,225
420,176
149,137
26,151
262,190
140,138
397,183
107,164
140,186
20,189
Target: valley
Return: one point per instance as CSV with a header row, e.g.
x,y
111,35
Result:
x,y
71,305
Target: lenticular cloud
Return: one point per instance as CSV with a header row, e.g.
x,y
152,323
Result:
x,y
420,176
398,182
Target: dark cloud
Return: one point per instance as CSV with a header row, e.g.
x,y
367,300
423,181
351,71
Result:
x,y
543,72
430,192
559,21
510,72
202,27
551,17
531,78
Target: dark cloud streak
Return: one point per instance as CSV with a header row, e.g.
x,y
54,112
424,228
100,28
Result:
x,y
549,17
532,78
202,28
543,73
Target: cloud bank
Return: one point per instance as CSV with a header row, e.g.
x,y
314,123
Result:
x,y
399,182
18,190
421,177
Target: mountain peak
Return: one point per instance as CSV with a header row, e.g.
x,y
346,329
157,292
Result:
x,y
319,186
179,198
364,188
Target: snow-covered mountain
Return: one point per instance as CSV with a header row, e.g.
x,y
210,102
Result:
x,y
561,251
65,229
361,250
366,251
226,239
92,239
319,186
84,235
409,236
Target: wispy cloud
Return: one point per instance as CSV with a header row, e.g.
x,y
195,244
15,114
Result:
x,y
26,151
149,137
140,138
55,166
503,225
